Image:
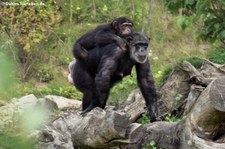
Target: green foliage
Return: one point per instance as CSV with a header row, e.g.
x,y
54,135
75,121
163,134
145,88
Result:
x,y
178,97
54,50
79,11
28,26
165,73
121,90
217,55
45,74
9,141
29,30
68,92
6,76
210,12
104,11
171,118
175,5
184,22
195,61
7,66
145,119
151,145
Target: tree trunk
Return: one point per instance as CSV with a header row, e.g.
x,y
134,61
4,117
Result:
x,y
149,17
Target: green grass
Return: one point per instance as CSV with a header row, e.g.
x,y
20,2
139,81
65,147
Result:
x,y
195,61
8,141
121,91
217,55
68,92
169,43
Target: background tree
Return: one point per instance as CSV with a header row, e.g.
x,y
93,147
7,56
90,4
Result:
x,y
210,13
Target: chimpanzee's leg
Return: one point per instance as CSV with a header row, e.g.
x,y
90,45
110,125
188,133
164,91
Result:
x,y
107,67
85,84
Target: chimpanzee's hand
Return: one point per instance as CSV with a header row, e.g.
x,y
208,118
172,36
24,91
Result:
x,y
121,43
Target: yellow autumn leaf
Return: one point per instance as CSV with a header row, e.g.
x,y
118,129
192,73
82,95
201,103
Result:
x,y
105,8
27,47
36,40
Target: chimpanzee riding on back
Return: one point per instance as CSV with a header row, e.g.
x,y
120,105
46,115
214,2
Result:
x,y
105,66
102,35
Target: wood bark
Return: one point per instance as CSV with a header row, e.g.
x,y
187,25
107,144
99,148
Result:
x,y
203,127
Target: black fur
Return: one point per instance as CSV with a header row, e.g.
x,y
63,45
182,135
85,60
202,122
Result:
x,y
105,66
101,36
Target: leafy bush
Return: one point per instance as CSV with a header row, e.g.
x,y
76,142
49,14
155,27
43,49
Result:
x,y
217,55
211,13
28,26
45,74
145,119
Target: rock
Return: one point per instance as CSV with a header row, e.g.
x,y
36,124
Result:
x,y
2,103
11,113
25,102
62,102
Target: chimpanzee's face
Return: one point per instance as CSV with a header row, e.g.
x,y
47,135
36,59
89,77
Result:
x,y
139,48
123,26
139,52
126,28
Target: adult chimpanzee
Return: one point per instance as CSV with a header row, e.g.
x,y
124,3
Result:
x,y
103,35
107,65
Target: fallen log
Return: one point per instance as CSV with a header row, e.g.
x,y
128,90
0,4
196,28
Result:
x,y
195,75
202,128
205,124
98,129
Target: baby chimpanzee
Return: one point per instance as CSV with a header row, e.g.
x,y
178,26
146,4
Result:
x,y
113,32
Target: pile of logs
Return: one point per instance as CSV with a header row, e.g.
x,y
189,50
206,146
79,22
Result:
x,y
202,127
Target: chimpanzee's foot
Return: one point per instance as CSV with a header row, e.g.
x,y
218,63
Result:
x,y
88,109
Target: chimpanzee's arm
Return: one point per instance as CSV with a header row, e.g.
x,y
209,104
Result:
x,y
146,84
104,37
107,67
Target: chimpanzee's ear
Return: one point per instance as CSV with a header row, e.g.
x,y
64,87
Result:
x,y
114,24
148,38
